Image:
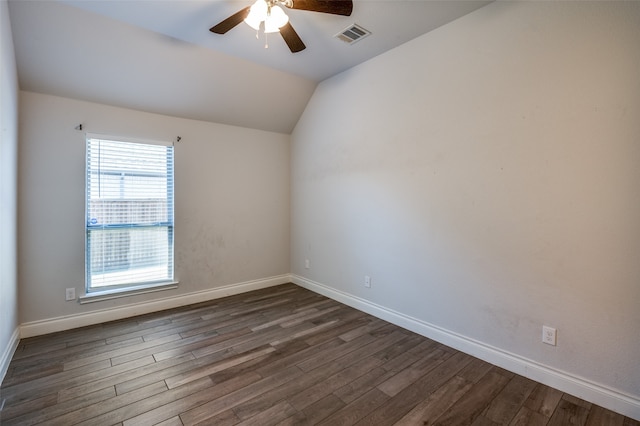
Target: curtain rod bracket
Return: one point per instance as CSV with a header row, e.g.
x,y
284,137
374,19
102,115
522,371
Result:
x,y
79,127
178,139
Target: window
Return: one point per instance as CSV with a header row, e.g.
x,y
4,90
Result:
x,y
129,214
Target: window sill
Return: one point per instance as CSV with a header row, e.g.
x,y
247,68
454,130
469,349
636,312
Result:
x,y
99,296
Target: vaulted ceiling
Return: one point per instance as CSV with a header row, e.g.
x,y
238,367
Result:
x,y
159,55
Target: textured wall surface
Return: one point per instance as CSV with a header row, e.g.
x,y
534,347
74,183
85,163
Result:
x,y
231,201
485,177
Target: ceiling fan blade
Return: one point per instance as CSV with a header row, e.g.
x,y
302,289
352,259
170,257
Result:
x,y
336,7
230,22
292,38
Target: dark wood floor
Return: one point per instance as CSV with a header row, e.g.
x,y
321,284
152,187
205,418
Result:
x,y
279,356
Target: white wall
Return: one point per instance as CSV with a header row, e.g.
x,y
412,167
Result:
x,y
231,205
485,176
8,191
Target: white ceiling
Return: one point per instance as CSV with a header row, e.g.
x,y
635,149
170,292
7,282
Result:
x,y
159,55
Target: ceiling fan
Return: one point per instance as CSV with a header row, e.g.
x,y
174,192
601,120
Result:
x,y
275,20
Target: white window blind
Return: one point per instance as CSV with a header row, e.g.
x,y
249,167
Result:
x,y
129,221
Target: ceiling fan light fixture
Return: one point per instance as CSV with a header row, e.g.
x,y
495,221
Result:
x,y
257,14
275,20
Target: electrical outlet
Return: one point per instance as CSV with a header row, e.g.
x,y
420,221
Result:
x,y
367,281
307,264
70,294
549,335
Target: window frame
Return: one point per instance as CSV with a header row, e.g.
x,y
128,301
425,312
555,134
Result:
x,y
100,292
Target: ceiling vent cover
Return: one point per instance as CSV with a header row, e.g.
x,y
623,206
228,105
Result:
x,y
352,34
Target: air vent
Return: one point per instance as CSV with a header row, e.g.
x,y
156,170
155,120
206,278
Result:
x,y
352,34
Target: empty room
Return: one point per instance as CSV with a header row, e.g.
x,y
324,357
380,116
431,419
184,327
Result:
x,y
283,212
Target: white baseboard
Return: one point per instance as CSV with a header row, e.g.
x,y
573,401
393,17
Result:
x,y
606,397
10,349
68,322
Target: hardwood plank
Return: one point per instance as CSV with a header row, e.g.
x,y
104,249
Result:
x,y
29,406
472,403
270,416
357,409
111,404
35,382
395,408
286,390
184,378
226,418
404,378
259,306
400,362
508,402
136,354
278,321
169,351
170,367
245,342
437,403
106,331
332,383
126,412
363,384
351,351
271,336
297,419
543,400
304,333
175,406
120,351
232,399
365,329
483,421
568,413
301,299
475,371
310,316
347,323
27,375
50,413
599,416
229,324
336,351
107,377
528,417
405,346
77,352
255,364
32,349
308,380
316,302
322,408
275,292
46,385
295,358
147,334
577,401
174,421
